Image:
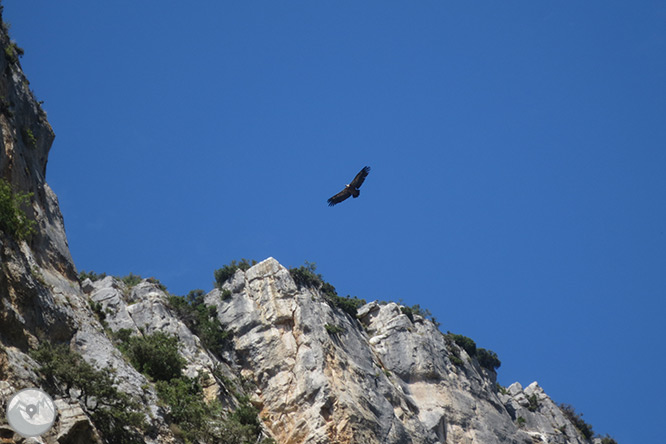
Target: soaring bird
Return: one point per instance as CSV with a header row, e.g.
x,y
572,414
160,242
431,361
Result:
x,y
351,189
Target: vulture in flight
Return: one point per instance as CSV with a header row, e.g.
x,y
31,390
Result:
x,y
351,189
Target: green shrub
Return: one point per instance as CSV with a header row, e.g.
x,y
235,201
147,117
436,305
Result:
x,y
334,329
123,335
187,407
533,403
13,219
223,274
202,320
453,351
466,343
576,419
456,360
488,359
347,304
195,420
501,389
235,433
157,282
29,137
13,52
415,310
607,440
97,308
305,276
131,280
247,414
155,355
83,275
113,412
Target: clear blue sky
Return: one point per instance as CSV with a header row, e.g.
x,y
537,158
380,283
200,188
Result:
x,y
518,154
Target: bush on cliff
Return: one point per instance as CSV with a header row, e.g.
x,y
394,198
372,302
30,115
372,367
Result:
x,y
114,413
223,274
13,219
306,276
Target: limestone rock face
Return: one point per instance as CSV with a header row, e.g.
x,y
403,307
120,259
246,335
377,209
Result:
x,y
323,376
542,418
312,385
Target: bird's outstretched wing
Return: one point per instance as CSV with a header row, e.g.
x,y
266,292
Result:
x,y
342,195
360,177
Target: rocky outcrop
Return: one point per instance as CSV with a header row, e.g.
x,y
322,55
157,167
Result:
x,y
323,376
540,416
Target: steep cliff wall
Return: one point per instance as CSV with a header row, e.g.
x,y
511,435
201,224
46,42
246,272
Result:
x,y
290,366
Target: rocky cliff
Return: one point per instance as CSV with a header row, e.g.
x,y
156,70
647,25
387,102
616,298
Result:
x,y
262,358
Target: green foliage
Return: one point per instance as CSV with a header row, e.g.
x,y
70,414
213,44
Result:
x,y
13,219
96,307
13,52
306,276
155,355
223,274
187,407
488,359
113,412
123,335
415,310
196,421
233,432
157,282
131,280
456,360
466,343
453,351
520,421
83,275
201,320
28,137
576,419
247,414
348,304
334,329
607,440
501,389
190,416
533,403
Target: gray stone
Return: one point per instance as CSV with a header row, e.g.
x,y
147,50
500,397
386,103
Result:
x,y
74,425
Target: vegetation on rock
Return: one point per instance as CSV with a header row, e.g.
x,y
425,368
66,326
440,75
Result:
x,y
577,420
13,219
202,320
223,274
488,359
155,355
305,276
83,275
191,417
114,413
